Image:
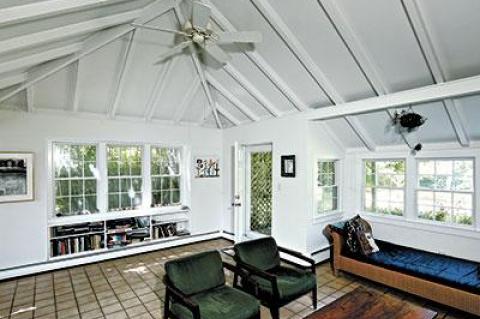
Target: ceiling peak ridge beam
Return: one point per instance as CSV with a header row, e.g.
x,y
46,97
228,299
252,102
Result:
x,y
159,88
92,44
429,52
298,50
260,62
359,54
252,90
38,58
200,71
231,97
310,66
43,9
429,93
186,101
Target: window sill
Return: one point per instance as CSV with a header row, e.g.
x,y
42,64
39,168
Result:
x,y
327,217
425,225
56,221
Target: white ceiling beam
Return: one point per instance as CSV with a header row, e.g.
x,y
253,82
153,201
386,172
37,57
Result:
x,y
30,99
38,58
200,71
119,85
158,88
75,86
298,50
43,9
231,97
361,133
433,62
92,44
10,80
229,116
186,101
260,62
429,93
252,89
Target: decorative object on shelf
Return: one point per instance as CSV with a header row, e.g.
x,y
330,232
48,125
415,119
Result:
x,y
408,121
207,167
16,177
288,166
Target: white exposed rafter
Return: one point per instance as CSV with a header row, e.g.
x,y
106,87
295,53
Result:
x,y
229,116
75,86
429,93
93,43
119,84
231,97
43,9
38,58
200,71
159,87
428,48
252,89
260,62
361,133
298,49
10,80
30,93
186,101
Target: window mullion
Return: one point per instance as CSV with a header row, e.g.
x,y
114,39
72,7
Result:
x,y
147,180
102,184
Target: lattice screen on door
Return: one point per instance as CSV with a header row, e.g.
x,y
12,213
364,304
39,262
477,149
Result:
x,y
261,192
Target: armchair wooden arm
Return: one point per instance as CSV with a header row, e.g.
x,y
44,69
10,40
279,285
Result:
x,y
300,256
251,270
177,295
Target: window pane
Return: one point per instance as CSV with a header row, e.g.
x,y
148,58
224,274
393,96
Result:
x,y
326,191
425,198
462,201
443,200
426,167
443,182
444,167
463,217
165,170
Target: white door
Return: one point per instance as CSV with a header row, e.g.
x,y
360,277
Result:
x,y
258,190
238,192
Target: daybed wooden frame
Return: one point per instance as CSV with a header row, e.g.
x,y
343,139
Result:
x,y
453,297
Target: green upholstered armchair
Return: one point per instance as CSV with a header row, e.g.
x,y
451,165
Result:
x,y
263,275
195,289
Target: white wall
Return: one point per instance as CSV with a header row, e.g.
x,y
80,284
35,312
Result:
x,y
408,230
23,234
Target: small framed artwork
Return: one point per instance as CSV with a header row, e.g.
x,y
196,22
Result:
x,y
207,167
16,177
288,166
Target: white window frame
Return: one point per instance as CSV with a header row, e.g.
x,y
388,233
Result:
x,y
181,174
452,192
364,186
316,188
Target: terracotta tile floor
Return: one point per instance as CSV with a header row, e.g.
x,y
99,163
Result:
x,y
131,287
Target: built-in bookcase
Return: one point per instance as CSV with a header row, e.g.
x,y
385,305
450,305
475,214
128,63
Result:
x,y
75,238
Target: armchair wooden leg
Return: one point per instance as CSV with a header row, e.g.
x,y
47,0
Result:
x,y
275,312
166,306
314,297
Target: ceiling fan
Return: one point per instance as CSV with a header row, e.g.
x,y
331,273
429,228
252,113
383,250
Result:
x,y
198,32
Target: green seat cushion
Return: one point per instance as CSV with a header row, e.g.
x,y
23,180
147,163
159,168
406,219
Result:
x,y
292,283
261,253
220,303
196,273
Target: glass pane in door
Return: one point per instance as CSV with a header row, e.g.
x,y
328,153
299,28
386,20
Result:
x,y
261,192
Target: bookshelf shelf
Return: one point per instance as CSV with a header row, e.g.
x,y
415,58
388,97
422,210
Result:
x,y
79,235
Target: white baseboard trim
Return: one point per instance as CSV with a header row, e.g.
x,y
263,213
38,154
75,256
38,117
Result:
x,y
76,261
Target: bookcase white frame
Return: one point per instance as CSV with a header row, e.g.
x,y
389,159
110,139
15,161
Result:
x,y
102,192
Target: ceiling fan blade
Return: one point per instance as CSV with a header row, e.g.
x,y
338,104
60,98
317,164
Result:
x,y
239,37
143,26
217,53
200,15
173,51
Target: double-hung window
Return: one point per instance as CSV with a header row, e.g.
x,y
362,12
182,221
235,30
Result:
x,y
384,187
75,179
165,174
125,177
326,190
445,190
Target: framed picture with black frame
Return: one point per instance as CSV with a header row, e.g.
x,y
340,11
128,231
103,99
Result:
x,y
288,166
16,177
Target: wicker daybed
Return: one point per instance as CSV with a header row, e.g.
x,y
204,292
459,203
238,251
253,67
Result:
x,y
453,294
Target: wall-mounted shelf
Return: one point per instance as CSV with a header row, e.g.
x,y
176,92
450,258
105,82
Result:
x,y
74,237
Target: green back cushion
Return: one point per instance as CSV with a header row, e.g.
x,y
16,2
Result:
x,y
261,253
196,273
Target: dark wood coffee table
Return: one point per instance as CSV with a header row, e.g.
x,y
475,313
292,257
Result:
x,y
364,304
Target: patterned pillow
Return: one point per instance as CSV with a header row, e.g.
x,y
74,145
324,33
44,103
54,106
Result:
x,y
359,238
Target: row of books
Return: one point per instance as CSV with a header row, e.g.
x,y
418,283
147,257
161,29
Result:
x,y
61,247
164,230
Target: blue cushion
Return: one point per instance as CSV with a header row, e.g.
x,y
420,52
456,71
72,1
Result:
x,y
450,271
